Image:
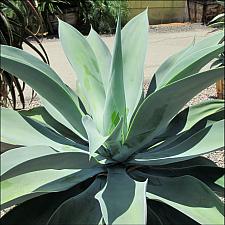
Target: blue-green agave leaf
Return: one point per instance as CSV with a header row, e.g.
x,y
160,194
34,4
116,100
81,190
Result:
x,y
154,116
87,207
168,70
42,78
204,141
21,130
115,106
190,196
134,48
28,159
102,54
84,63
95,138
29,185
123,199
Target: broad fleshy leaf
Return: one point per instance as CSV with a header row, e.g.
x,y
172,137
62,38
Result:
x,y
185,124
166,71
28,159
206,140
134,43
41,115
151,121
84,63
32,211
195,199
21,130
123,199
115,106
199,167
168,215
85,207
42,78
27,186
102,54
59,117
190,116
95,138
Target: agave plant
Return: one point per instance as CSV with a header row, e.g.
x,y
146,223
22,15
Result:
x,y
109,153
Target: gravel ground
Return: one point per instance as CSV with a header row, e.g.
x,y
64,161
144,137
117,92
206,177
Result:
x,y
178,27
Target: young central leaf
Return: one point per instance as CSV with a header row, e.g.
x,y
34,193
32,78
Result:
x,y
115,98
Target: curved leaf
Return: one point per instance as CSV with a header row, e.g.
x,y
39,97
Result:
x,y
206,140
123,199
28,159
168,215
190,116
27,186
200,168
190,196
187,122
95,138
154,116
176,131
41,115
165,71
38,215
134,48
59,117
21,130
84,63
84,213
193,63
42,78
115,106
102,54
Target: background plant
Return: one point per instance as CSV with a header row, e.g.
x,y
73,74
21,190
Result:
x,y
102,14
49,9
108,153
19,21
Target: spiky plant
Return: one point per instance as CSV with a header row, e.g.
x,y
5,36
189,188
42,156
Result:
x,y
110,154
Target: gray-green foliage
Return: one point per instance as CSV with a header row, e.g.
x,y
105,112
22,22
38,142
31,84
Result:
x,y
218,23
107,153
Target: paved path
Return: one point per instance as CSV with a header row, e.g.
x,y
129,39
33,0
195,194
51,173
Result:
x,y
162,44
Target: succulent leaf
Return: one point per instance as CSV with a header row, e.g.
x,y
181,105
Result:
x,y
22,130
28,159
115,106
185,58
84,63
204,141
63,214
103,56
195,200
42,78
123,199
134,42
